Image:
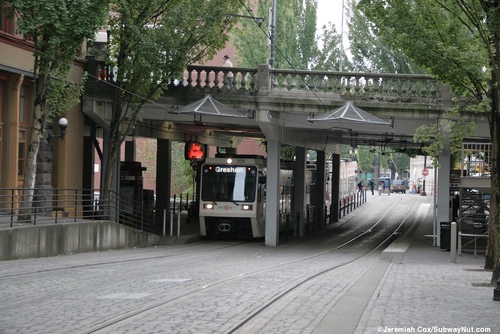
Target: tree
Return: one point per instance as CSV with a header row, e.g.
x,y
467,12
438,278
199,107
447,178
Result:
x,y
458,42
151,44
58,30
297,44
370,52
183,173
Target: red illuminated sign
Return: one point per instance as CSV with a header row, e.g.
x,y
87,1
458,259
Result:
x,y
194,151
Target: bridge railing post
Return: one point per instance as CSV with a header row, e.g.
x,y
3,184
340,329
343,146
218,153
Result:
x,y
264,77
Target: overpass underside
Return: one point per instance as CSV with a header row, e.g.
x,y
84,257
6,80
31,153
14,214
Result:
x,y
283,102
287,107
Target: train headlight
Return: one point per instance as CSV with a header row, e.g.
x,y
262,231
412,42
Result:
x,y
246,207
208,206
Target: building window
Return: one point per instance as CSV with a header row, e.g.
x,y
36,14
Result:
x,y
23,105
21,162
6,22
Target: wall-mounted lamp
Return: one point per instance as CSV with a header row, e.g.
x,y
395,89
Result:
x,y
63,125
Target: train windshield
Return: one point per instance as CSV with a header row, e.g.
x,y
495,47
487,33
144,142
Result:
x,y
229,183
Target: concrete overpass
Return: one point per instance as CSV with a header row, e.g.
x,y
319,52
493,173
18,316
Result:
x,y
283,106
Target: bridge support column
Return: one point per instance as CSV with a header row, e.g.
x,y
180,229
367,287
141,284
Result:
x,y
269,124
319,204
335,178
299,188
130,150
272,192
163,171
443,188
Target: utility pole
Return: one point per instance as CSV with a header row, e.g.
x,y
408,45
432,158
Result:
x,y
341,62
272,32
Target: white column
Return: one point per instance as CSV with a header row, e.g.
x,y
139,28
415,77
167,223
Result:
x,y
272,192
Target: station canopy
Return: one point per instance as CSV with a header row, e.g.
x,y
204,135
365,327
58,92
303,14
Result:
x,y
348,112
209,106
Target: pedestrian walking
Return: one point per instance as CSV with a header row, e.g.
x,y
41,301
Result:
x,y
360,186
371,184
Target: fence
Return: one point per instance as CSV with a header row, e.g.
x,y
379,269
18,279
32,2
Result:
x,y
53,206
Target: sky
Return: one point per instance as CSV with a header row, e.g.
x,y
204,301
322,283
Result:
x,y
331,10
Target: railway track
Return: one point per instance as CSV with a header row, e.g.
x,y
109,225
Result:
x,y
221,275
346,244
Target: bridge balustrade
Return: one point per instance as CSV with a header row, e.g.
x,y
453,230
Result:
x,y
377,85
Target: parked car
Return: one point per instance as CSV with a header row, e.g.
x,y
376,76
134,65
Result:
x,y
399,186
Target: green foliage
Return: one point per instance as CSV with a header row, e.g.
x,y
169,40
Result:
x,y
367,159
63,96
182,179
296,42
456,41
151,43
448,38
182,174
287,152
58,29
370,51
433,135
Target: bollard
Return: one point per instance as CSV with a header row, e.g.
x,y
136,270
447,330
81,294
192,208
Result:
x,y
171,222
287,224
453,242
326,216
179,222
496,292
300,227
175,201
164,221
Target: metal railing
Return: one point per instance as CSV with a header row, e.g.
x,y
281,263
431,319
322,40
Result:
x,y
52,206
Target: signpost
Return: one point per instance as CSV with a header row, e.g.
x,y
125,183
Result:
x,y
425,172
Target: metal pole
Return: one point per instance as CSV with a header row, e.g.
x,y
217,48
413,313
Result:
x,y
453,243
272,32
164,221
341,63
179,222
171,222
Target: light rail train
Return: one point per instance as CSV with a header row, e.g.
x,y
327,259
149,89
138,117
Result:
x,y
233,195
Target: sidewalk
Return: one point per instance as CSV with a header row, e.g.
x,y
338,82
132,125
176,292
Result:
x,y
425,292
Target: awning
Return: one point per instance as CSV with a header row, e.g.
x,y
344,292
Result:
x,y
349,113
209,106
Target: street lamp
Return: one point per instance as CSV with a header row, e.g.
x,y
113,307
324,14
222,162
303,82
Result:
x,y
63,125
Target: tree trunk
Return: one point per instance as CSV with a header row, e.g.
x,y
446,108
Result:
x,y
493,250
492,259
25,209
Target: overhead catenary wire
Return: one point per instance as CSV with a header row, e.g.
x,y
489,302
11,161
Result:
x,y
276,48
